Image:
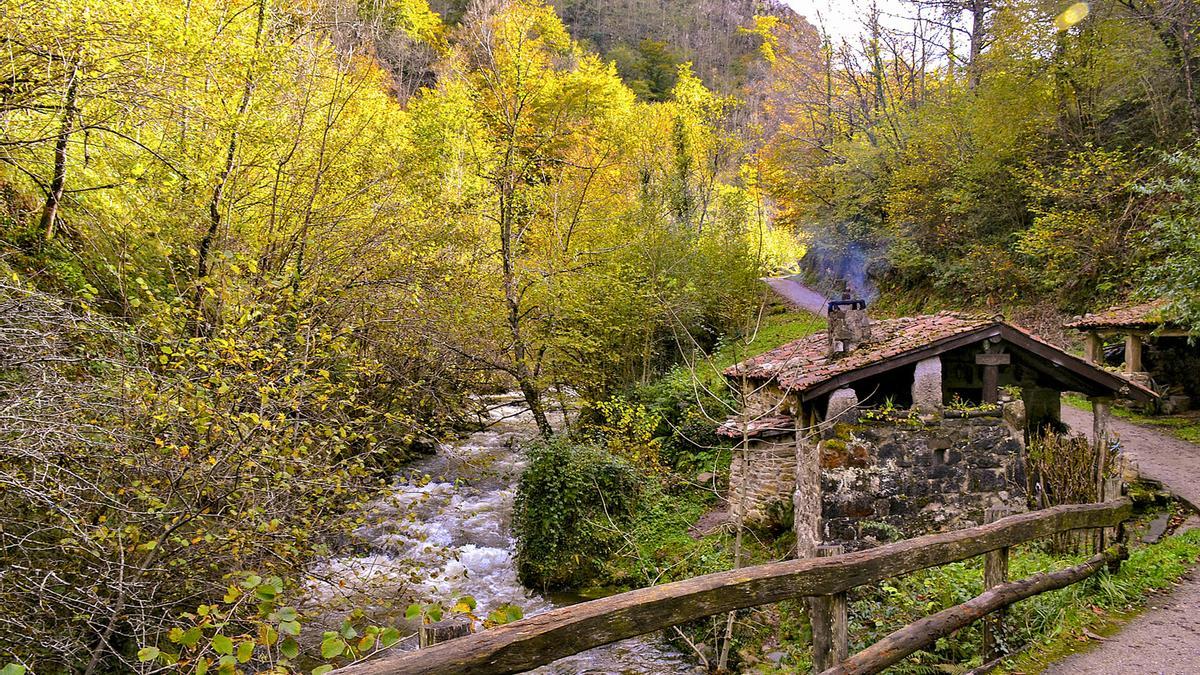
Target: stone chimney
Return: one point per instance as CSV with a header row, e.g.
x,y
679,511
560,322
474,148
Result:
x,y
849,325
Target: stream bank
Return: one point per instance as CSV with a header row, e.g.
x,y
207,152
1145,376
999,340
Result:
x,y
445,531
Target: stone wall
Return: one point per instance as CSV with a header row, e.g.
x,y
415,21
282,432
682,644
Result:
x,y
894,479
762,400
768,483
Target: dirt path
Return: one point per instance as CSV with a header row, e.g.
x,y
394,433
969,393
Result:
x,y
1166,459
1163,641
1166,638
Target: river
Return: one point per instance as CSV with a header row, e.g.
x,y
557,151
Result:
x,y
446,531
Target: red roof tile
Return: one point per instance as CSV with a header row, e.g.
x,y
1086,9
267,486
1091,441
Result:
x,y
805,362
1145,315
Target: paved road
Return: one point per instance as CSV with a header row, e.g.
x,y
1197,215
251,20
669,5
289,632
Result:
x,y
1165,640
1166,459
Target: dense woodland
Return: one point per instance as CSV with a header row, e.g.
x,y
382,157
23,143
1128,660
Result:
x,y
252,252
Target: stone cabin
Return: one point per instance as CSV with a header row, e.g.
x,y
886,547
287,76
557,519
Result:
x,y
1148,348
882,430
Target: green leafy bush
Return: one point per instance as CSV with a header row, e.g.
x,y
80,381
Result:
x,y
571,505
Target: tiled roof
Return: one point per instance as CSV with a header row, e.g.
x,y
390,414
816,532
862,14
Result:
x,y
759,428
1145,315
805,362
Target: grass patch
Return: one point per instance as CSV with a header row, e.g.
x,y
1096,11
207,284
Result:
x,y
773,331
658,548
1185,426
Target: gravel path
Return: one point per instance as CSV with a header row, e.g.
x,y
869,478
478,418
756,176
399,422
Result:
x,y
1166,638
1166,459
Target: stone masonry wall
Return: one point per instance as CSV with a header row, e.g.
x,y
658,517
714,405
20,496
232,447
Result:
x,y
770,479
888,480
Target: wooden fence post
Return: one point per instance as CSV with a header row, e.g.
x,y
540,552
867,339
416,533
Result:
x,y
827,614
431,634
995,573
1111,488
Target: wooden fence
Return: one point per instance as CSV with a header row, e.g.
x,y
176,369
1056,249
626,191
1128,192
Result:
x,y
538,640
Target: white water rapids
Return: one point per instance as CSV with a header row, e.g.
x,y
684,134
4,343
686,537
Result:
x,y
446,531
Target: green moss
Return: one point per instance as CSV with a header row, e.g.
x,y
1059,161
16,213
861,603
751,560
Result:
x,y
845,431
835,444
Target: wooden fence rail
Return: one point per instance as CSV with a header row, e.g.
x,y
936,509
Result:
x,y
895,647
538,640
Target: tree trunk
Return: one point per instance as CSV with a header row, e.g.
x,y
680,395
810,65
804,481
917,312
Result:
x,y
512,298
54,196
978,10
214,203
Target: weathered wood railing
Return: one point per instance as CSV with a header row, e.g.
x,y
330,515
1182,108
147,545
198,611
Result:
x,y
540,639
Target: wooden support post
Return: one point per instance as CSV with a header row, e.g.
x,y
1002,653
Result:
x,y
991,382
1101,407
995,573
1093,348
1133,353
827,614
991,362
840,620
1100,412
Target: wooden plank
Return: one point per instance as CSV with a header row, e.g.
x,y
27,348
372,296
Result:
x,y
993,359
540,639
895,647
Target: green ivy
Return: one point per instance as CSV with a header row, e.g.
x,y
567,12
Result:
x,y
572,503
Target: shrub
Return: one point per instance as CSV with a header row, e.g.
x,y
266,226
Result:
x,y
139,470
627,430
1061,470
572,503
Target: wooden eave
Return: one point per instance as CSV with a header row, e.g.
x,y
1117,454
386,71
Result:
x,y
1086,372
1145,331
